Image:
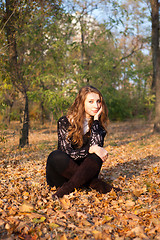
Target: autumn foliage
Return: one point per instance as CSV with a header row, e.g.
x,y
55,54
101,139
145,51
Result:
x,y
27,210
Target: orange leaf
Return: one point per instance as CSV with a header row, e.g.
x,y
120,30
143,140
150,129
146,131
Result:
x,y
63,237
65,203
97,234
26,208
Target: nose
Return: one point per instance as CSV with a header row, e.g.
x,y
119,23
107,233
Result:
x,y
96,104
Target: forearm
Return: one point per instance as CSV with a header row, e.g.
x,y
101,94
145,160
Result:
x,y
101,152
93,148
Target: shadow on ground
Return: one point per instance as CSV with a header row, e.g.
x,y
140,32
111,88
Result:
x,y
130,168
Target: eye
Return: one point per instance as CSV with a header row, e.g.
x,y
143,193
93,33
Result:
x,y
90,101
98,101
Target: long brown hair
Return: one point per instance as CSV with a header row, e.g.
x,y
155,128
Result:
x,y
76,115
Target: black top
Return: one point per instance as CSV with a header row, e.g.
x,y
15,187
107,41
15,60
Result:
x,y
64,144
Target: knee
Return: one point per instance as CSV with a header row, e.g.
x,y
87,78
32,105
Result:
x,y
95,158
58,159
52,157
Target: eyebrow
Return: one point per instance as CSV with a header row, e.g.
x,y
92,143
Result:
x,y
93,99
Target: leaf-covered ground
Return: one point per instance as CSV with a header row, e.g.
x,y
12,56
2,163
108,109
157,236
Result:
x,y
27,210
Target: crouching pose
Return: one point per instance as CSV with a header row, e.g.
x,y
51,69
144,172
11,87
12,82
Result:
x,y
80,154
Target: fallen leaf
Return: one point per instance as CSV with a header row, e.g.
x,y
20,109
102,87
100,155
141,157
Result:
x,y
65,202
7,226
138,232
2,222
129,203
63,237
26,208
53,225
106,219
39,220
97,234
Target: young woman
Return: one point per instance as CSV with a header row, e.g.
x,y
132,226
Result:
x,y
80,154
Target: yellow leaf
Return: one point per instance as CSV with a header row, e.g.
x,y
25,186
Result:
x,y
39,220
25,194
155,169
53,225
108,218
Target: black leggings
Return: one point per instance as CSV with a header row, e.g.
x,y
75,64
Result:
x,y
57,163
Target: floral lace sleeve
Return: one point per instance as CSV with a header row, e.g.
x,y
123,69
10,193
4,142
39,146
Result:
x,y
65,145
97,134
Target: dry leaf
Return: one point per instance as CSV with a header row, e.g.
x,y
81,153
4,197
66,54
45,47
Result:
x,y
26,208
134,165
137,231
7,226
130,203
86,223
65,202
63,237
97,234
81,215
2,222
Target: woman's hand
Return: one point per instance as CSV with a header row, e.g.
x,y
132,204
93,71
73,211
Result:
x,y
98,114
101,152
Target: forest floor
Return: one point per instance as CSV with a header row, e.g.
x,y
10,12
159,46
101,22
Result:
x,y
27,210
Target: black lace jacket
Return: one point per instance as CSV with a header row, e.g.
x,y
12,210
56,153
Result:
x,y
64,144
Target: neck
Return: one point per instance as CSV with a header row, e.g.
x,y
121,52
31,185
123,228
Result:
x,y
87,116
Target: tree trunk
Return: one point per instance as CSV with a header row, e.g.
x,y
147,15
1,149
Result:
x,y
25,130
155,38
157,104
42,113
82,41
10,111
155,5
15,73
11,38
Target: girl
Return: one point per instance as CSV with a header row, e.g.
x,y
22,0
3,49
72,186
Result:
x,y
78,159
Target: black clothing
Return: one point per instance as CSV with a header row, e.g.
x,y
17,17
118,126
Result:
x,y
57,162
60,167
96,137
88,170
69,166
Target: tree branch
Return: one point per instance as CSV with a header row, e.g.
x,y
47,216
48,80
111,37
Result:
x,y
7,20
134,50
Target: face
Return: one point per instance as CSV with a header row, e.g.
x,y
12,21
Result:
x,y
92,104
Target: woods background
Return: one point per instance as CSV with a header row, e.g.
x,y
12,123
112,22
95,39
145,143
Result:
x,y
49,49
